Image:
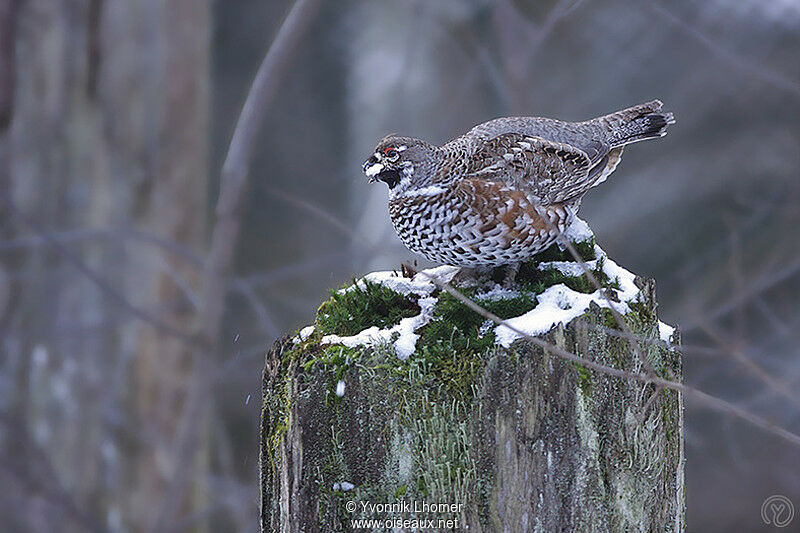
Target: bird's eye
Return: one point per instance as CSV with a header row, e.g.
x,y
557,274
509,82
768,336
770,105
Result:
x,y
391,154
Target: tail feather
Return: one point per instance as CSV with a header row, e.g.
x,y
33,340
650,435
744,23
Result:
x,y
637,123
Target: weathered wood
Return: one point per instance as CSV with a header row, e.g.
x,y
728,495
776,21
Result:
x,y
520,439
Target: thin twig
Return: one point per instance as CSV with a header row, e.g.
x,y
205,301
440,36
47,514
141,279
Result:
x,y
773,78
99,281
133,235
754,289
616,314
733,351
233,185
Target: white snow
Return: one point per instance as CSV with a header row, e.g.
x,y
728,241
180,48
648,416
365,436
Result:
x,y
665,331
406,339
578,231
304,334
559,304
340,388
343,486
568,268
420,284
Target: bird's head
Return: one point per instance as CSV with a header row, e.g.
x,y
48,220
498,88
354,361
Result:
x,y
399,161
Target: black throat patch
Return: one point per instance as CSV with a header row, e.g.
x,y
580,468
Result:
x,y
390,178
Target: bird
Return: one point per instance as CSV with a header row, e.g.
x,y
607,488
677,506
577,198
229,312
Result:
x,y
505,190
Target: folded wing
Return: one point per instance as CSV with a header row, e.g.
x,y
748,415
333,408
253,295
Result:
x,y
552,172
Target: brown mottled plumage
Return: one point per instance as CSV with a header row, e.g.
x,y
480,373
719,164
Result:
x,y
503,191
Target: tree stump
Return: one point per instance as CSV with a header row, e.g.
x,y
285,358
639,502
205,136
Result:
x,y
404,407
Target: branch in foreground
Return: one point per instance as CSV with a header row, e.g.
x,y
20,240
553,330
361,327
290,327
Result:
x,y
704,398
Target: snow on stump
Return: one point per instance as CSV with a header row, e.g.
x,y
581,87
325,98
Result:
x,y
403,407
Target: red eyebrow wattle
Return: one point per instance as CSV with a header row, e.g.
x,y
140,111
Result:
x,y
386,150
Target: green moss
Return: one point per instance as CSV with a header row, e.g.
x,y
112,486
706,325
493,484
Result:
x,y
536,280
455,369
277,408
362,306
509,307
335,359
585,250
584,379
457,329
608,320
644,312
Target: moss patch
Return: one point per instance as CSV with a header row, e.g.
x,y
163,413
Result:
x,y
455,328
536,280
585,250
362,306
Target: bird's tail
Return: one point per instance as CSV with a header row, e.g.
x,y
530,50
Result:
x,y
637,123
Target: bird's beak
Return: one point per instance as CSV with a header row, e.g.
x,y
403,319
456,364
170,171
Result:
x,y
372,168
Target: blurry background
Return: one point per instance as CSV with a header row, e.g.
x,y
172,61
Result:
x,y
115,118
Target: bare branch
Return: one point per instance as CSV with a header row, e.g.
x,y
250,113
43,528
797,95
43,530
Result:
x,y
766,75
126,234
754,289
98,281
320,213
233,181
752,367
617,316
233,185
77,235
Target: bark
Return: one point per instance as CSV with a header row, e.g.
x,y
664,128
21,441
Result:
x,y
519,438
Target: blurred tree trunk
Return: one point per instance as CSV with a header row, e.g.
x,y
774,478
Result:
x,y
106,104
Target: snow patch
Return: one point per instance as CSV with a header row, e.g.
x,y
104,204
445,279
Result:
x,y
665,331
304,334
559,304
419,285
343,486
578,231
402,335
568,268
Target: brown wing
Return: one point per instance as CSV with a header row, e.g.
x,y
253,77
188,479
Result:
x,y
552,172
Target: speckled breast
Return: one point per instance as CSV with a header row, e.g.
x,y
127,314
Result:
x,y
476,223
